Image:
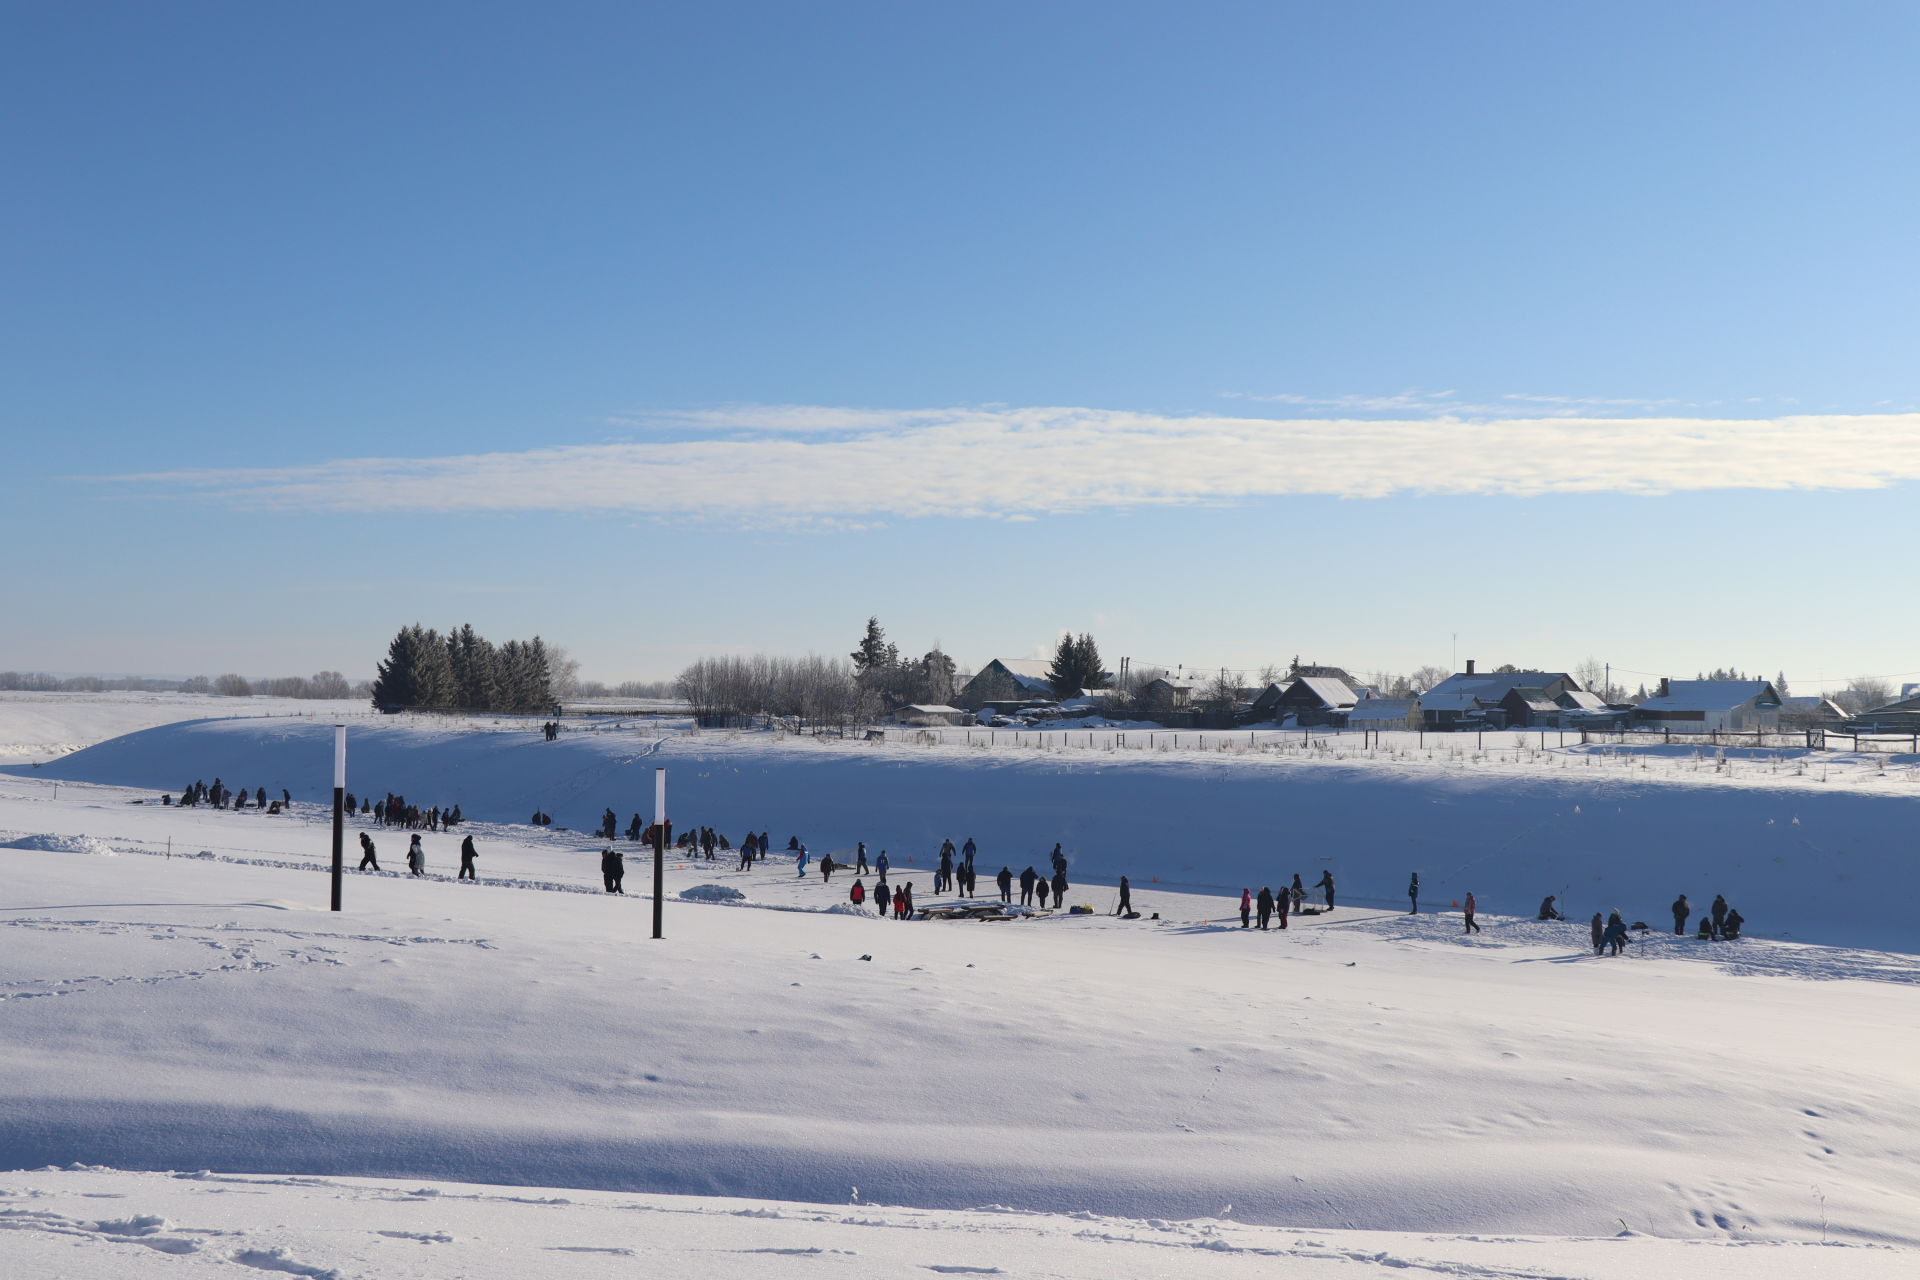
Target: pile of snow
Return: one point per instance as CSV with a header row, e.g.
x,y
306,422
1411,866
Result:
x,y
713,893
61,844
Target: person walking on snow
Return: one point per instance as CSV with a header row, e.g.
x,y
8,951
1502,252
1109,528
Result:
x,y
416,858
800,862
1681,910
882,863
1599,932
613,869
826,868
1616,934
1059,890
1413,894
860,859
467,855
882,898
967,851
1265,906
1246,906
1326,882
1471,926
366,853
1005,881
1126,898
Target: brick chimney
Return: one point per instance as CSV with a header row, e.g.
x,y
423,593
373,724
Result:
x,y
1469,666
1665,688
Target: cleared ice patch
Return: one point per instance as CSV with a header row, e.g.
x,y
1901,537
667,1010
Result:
x,y
712,893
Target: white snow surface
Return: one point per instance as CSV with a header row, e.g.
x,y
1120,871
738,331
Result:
x,y
1080,1096
45,726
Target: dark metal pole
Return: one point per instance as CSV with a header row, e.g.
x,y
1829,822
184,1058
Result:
x,y
339,805
659,847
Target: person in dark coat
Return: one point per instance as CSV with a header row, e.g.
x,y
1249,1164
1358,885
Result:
x,y
1599,931
1548,911
259,797
1059,889
1126,897
1681,910
1731,929
1280,901
1472,927
1719,915
416,858
826,868
1616,935
1298,891
860,858
1027,879
1265,906
882,898
467,855
1005,881
1326,882
1040,888
1706,928
367,860
967,851
1413,894
613,869
633,829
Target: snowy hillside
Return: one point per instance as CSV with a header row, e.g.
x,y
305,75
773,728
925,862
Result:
x,y
1801,861
45,726
1113,1088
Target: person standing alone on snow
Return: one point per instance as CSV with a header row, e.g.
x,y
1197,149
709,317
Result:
x,y
1126,896
1413,894
1681,910
467,855
860,867
1599,934
1326,882
1005,881
366,853
1471,926
1246,906
416,858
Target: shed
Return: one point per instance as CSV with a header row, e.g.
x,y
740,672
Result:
x,y
1007,680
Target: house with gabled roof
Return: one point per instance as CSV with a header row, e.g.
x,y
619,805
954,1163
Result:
x,y
1472,698
1313,700
1706,706
1011,680
1384,713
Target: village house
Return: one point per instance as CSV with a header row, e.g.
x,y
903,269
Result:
x,y
1896,717
1811,712
1472,699
1265,702
1316,700
1706,706
1012,681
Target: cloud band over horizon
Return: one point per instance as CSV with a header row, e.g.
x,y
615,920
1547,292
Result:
x,y
761,464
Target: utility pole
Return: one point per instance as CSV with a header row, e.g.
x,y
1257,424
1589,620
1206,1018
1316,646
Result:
x,y
659,847
339,805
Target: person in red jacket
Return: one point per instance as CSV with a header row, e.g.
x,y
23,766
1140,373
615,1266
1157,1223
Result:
x,y
858,893
900,903
1471,926
1246,907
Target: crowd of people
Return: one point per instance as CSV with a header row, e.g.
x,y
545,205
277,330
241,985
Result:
x,y
217,795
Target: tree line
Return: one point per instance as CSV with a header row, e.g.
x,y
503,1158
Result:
x,y
321,684
464,671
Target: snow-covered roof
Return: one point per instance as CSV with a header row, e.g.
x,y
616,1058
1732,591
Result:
x,y
1382,709
1533,699
1581,700
1178,682
1812,703
1468,692
1029,673
927,709
1332,692
1706,695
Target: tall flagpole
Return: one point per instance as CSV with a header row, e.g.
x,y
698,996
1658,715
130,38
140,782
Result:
x,y
339,804
659,847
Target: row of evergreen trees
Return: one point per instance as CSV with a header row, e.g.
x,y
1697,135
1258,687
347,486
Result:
x,y
879,668
464,671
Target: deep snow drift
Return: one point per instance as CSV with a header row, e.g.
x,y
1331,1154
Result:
x,y
45,726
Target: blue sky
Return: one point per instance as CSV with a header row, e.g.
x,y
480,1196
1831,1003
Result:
x,y
683,328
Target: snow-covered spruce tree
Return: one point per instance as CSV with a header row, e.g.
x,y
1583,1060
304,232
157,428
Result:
x,y
875,654
1076,666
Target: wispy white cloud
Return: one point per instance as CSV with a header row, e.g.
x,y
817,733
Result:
x,y
1450,404
812,464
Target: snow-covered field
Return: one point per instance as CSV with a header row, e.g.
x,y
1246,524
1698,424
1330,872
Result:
x,y
1078,1096
45,726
